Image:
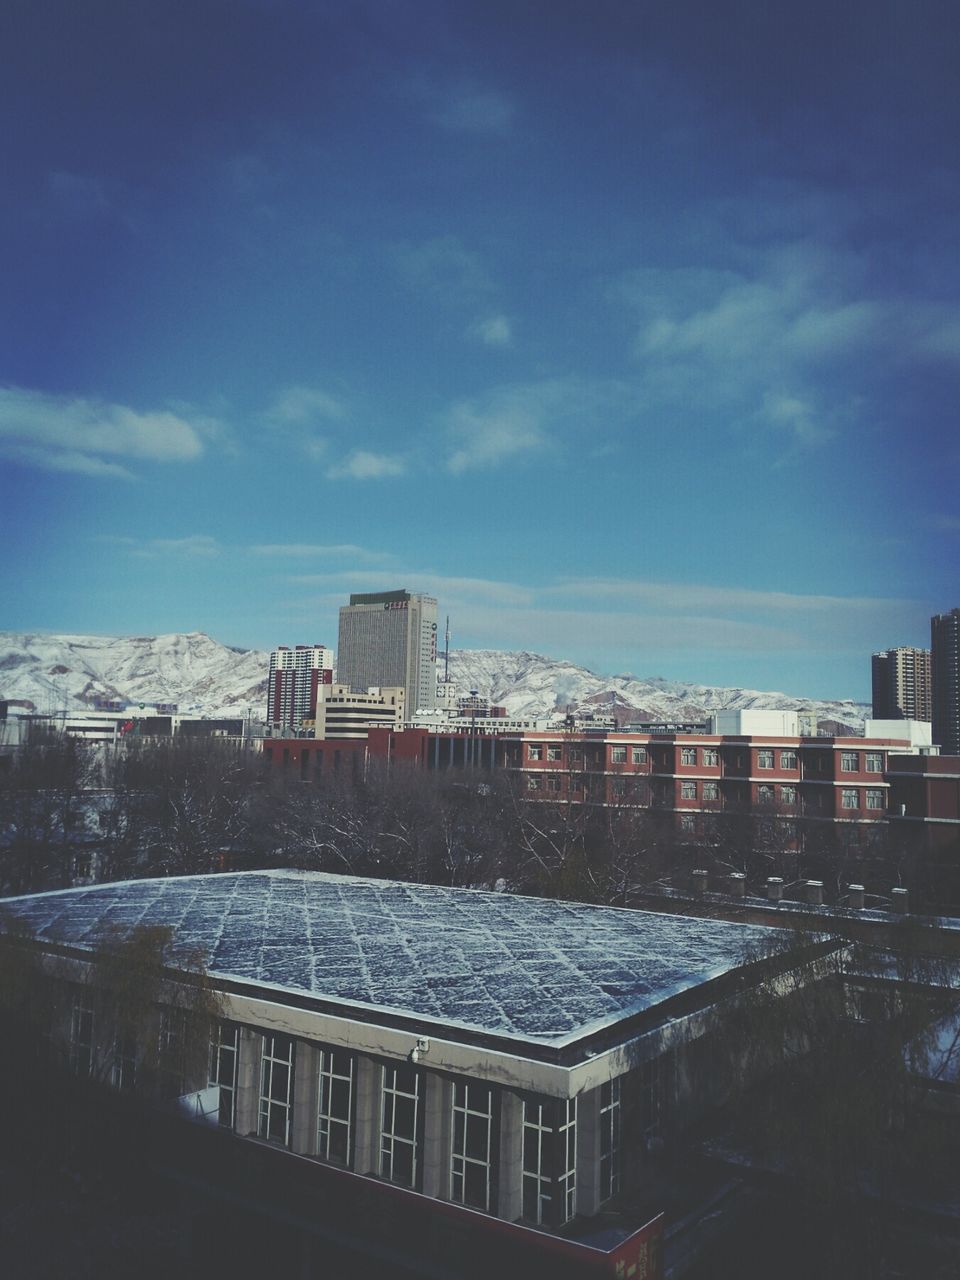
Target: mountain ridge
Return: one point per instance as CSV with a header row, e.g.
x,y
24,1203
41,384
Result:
x,y
47,672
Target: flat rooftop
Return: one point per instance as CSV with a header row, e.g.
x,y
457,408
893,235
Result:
x,y
495,963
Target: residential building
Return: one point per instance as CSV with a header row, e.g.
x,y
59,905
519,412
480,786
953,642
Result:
x,y
389,639
463,1083
295,678
945,672
901,684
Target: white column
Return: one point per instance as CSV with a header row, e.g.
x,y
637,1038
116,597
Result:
x,y
306,1064
438,1112
367,1081
510,1183
249,1053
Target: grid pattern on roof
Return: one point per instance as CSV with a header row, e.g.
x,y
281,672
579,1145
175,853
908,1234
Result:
x,y
497,963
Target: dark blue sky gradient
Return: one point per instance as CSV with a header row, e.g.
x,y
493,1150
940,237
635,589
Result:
x,y
632,330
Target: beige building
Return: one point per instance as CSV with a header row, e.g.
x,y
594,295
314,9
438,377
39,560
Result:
x,y
389,639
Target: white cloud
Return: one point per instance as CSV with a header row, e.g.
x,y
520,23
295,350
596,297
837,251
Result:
x,y
302,406
528,418
364,465
445,270
492,331
304,550
196,546
62,433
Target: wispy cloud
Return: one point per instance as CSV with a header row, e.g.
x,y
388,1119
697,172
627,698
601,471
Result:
x,y
197,546
319,551
303,406
529,418
444,270
361,464
492,331
61,433
618,616
761,343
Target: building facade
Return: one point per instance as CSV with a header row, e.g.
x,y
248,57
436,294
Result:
x,y
293,685
343,712
389,639
901,684
520,1059
945,671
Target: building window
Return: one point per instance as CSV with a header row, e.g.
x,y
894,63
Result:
x,y
639,755
850,798
788,795
276,1089
553,784
688,791
554,753
535,751
471,1160
874,762
765,794
711,791
81,1033
688,755
124,1073
764,759
688,823
334,1106
549,1161
876,799
850,761
788,760
400,1125
618,787
609,1139
534,783
618,755
575,755
224,1047
710,757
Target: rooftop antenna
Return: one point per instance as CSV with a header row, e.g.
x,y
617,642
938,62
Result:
x,y
446,656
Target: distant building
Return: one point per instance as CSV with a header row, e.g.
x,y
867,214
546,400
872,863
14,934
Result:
x,y
295,677
343,712
389,639
945,672
901,684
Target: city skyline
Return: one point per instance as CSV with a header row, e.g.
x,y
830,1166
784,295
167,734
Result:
x,y
629,333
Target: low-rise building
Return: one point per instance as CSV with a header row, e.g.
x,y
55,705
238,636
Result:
x,y
507,1067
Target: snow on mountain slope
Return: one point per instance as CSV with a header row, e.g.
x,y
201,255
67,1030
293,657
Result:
x,y
528,684
54,672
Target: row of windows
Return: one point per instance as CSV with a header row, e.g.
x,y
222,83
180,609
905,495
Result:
x,y
850,798
549,1127
708,757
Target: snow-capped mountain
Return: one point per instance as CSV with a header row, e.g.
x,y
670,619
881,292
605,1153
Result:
x,y
47,673
530,685
54,672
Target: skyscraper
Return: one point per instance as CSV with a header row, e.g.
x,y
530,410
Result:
x,y
945,670
294,682
389,638
901,684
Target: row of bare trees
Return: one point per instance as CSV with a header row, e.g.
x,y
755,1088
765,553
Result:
x,y
180,805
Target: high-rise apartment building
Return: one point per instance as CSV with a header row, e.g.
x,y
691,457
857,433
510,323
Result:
x,y
389,639
945,670
901,684
293,684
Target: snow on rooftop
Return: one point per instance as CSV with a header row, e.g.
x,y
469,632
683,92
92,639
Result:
x,y
497,963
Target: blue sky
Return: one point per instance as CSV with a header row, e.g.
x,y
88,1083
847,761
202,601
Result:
x,y
630,330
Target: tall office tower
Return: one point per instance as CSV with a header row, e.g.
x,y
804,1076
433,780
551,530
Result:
x,y
901,684
294,682
387,639
945,670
